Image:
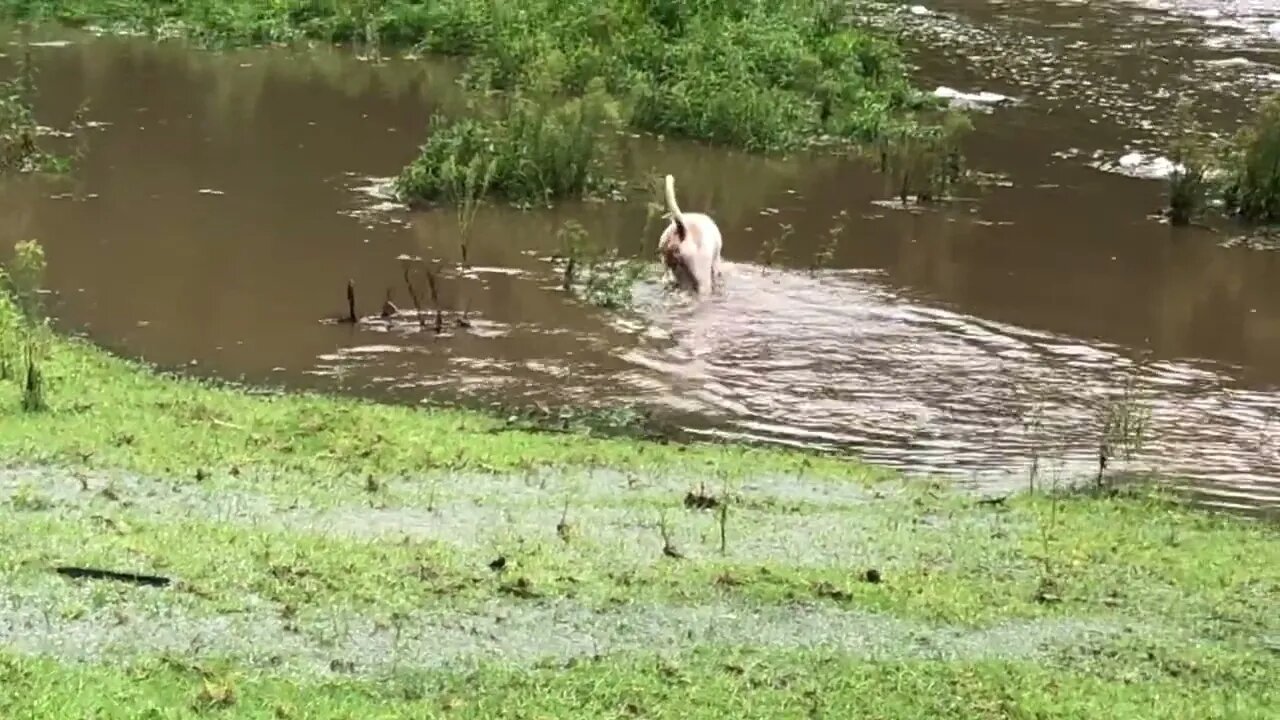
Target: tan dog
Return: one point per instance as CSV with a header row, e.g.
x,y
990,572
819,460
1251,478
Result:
x,y
690,246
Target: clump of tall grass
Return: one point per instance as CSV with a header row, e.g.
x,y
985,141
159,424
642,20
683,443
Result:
x,y
24,331
1251,190
1239,174
755,75
923,161
1190,180
528,149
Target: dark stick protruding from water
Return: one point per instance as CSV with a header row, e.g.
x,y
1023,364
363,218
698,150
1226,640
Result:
x,y
389,308
435,300
413,295
351,301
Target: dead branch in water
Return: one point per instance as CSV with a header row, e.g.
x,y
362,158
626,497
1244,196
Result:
x,y
351,302
389,308
413,293
462,320
569,268
435,300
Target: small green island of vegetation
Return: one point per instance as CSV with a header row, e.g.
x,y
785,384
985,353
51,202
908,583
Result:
x,y
556,82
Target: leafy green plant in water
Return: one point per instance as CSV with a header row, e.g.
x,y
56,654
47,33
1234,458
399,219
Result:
x,y
825,254
19,151
924,161
771,248
24,332
470,186
1252,189
1124,423
602,277
1189,183
533,149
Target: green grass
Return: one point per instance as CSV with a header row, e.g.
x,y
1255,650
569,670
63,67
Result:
x,y
726,684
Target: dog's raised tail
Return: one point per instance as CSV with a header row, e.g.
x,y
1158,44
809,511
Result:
x,y
676,216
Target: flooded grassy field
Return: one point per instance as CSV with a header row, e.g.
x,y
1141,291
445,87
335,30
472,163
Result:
x,y
227,198
184,549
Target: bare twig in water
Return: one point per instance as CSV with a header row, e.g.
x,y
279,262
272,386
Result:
x,y
435,300
462,320
569,267
351,301
389,308
413,293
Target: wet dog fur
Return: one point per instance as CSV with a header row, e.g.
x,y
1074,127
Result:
x,y
690,246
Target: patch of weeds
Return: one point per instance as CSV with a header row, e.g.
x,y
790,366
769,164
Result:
x,y
24,331
1239,175
621,421
827,252
26,498
1189,183
19,150
760,76
772,247
923,162
1123,423
1252,189
600,276
528,148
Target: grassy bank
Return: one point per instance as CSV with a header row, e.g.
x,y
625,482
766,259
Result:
x,y
328,557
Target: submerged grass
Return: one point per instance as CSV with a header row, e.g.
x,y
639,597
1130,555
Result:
x,y
1167,603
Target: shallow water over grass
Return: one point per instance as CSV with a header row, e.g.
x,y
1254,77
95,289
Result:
x,y
227,198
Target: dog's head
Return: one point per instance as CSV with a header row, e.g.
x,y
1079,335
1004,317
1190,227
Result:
x,y
674,250
671,246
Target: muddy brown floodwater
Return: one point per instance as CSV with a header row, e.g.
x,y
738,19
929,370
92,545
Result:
x,y
226,198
